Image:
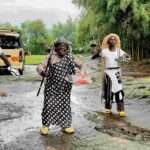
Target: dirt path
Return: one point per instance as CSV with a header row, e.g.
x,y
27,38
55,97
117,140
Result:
x,y
20,119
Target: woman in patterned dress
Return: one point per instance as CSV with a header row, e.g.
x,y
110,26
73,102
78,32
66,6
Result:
x,y
57,92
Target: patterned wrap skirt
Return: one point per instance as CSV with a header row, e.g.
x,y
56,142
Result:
x,y
112,86
57,95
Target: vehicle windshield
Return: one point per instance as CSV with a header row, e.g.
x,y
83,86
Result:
x,y
9,42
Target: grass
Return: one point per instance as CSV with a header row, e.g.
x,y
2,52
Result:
x,y
34,59
37,59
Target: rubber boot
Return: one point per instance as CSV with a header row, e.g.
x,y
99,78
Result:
x,y
69,130
120,108
107,111
44,130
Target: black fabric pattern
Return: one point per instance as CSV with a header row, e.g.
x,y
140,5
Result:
x,y
108,94
57,92
107,91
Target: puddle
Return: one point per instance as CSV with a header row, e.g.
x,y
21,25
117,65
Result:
x,y
9,112
115,126
94,130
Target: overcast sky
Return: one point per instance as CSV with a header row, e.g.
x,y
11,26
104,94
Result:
x,y
50,11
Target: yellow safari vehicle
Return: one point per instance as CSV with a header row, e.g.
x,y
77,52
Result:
x,y
10,42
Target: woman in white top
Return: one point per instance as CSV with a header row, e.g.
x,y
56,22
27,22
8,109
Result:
x,y
112,85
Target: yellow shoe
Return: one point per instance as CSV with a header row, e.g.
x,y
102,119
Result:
x,y
122,114
69,130
108,111
44,130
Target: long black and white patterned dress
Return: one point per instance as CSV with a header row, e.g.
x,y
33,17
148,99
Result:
x,y
57,93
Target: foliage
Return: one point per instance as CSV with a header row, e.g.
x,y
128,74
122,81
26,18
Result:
x,y
66,30
128,18
34,34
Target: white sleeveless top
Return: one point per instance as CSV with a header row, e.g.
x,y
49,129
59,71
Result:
x,y
112,56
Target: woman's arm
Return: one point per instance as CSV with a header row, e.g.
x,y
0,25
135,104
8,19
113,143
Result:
x,y
78,65
124,56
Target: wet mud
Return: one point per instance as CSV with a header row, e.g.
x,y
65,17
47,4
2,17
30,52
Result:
x,y
9,112
20,118
115,126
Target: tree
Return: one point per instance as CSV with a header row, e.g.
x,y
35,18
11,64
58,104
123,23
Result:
x,y
35,36
66,30
128,18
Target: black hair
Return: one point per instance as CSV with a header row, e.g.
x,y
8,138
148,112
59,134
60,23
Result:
x,y
56,44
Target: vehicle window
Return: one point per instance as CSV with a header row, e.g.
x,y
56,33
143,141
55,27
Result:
x,y
9,42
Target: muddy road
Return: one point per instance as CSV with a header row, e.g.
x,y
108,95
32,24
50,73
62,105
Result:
x,y
20,118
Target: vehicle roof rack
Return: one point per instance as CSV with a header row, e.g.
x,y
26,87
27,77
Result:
x,y
10,32
7,30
